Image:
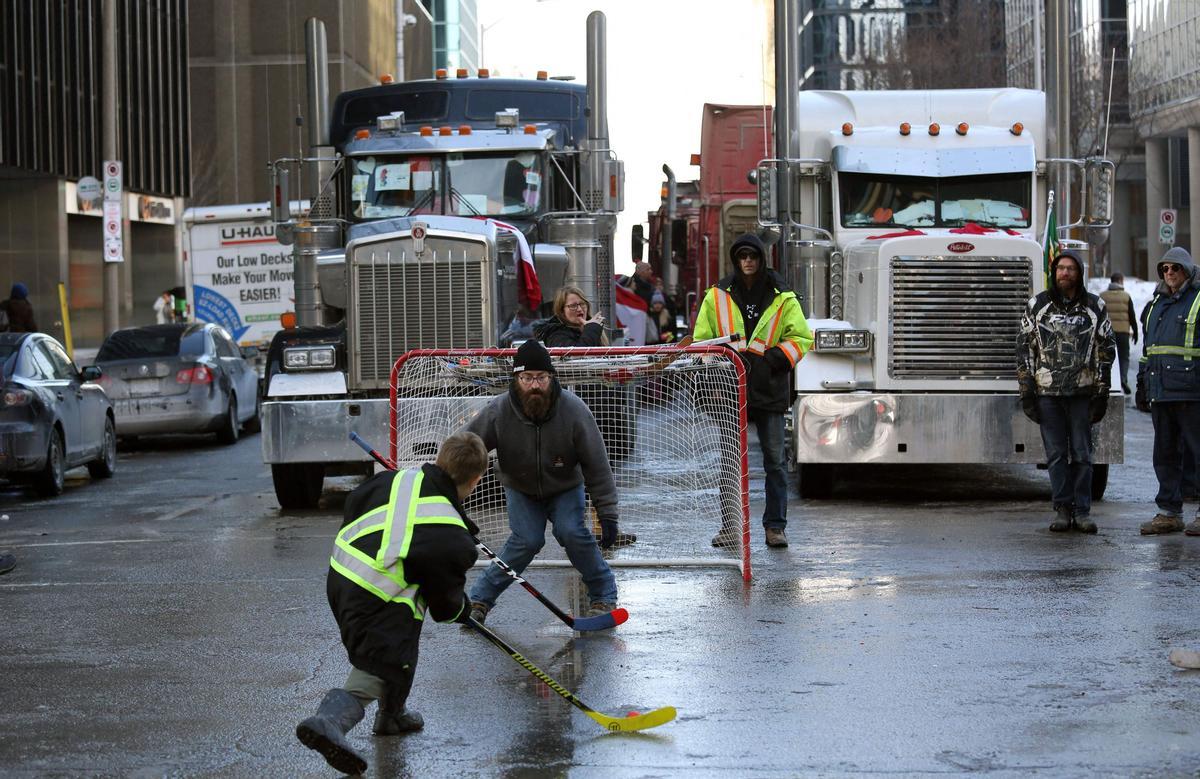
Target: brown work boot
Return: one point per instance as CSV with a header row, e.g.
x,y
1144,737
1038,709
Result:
x,y
1162,523
776,537
727,538
1193,529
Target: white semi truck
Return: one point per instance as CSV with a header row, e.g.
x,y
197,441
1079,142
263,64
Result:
x,y
913,231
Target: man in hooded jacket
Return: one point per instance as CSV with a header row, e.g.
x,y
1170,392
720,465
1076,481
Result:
x,y
755,304
18,310
1168,384
1065,352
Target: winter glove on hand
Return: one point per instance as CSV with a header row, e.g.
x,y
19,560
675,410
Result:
x,y
777,360
1029,401
608,533
1140,401
465,614
1098,406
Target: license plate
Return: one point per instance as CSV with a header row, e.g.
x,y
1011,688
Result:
x,y
142,387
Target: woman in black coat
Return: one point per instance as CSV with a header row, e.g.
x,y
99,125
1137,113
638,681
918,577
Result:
x,y
573,323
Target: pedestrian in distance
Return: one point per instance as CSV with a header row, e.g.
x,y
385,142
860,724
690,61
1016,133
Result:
x,y
1065,352
642,282
662,321
754,304
1124,322
572,323
18,311
401,554
164,308
548,448
1168,386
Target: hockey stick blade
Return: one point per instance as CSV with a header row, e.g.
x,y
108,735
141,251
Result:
x,y
600,621
650,719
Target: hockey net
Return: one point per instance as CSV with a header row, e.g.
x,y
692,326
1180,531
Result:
x,y
674,425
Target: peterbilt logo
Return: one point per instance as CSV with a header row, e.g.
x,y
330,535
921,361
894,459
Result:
x,y
418,237
961,246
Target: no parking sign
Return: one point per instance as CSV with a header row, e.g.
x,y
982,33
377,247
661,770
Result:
x,y
1166,226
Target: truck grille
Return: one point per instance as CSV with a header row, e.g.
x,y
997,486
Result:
x,y
402,302
956,317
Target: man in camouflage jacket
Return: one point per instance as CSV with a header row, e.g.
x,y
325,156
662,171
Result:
x,y
1065,352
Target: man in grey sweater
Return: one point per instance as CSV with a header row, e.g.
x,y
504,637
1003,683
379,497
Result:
x,y
549,448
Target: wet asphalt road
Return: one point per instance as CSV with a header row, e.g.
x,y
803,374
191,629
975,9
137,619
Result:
x,y
172,622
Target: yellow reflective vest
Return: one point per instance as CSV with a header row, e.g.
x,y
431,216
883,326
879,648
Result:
x,y
782,324
383,574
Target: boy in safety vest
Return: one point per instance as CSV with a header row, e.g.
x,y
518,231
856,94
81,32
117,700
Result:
x,y
754,303
403,552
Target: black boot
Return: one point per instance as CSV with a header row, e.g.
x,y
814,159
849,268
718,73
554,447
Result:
x,y
326,731
1062,520
392,718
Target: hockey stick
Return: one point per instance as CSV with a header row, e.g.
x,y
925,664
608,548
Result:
x,y
582,624
633,721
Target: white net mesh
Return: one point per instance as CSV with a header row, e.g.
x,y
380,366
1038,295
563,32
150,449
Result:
x,y
673,423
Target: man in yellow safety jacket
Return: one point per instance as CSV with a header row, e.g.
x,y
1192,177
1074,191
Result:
x,y
403,552
755,304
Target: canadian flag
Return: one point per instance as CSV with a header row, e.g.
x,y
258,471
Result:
x,y
529,289
631,313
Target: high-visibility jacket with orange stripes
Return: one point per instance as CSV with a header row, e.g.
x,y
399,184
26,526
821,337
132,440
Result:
x,y
782,325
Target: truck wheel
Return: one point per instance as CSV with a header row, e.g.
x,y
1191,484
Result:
x,y
816,480
298,485
50,478
1099,480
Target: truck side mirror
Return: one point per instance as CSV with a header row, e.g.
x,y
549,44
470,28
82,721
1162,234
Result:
x,y
768,198
1099,175
638,241
281,204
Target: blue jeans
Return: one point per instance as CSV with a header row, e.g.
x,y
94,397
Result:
x,y
770,438
1067,436
1176,426
527,517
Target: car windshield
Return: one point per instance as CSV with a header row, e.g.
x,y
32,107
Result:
x,y
152,342
873,200
495,184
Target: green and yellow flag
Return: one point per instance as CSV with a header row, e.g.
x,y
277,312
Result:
x,y
1050,242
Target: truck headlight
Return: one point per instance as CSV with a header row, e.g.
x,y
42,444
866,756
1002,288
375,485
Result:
x,y
301,358
842,341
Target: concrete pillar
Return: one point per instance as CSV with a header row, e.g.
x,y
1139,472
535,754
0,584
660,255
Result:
x,y
1193,137
1158,185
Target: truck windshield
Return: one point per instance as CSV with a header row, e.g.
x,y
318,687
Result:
x,y
996,200
494,184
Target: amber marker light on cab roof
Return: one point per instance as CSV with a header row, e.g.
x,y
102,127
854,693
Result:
x,y
1017,128
483,73
461,73
905,128
695,159
530,129
962,128
440,73
362,135
847,128
934,128
542,75
386,78
288,320
464,129
445,131
426,131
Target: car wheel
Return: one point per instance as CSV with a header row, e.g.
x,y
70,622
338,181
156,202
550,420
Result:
x,y
50,480
104,466
254,423
298,485
228,432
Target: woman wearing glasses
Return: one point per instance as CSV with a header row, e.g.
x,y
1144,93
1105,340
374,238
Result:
x,y
573,323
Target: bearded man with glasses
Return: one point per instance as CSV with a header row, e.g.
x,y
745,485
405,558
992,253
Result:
x,y
1168,385
548,449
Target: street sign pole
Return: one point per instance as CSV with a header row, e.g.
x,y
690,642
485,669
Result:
x,y
108,111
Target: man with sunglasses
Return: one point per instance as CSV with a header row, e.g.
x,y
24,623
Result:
x,y
548,449
1168,385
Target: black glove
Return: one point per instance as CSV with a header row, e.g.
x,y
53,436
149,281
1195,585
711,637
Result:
x,y
1140,401
1029,404
608,533
465,614
1098,406
777,360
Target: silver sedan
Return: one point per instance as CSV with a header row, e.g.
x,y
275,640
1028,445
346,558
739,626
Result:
x,y
179,378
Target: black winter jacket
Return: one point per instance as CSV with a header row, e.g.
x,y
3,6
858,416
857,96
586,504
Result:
x,y
381,637
1065,347
554,332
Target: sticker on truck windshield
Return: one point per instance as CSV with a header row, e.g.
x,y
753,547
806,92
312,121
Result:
x,y
394,176
358,186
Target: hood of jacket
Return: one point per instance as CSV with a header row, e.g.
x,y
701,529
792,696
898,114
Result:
x,y
1069,256
743,241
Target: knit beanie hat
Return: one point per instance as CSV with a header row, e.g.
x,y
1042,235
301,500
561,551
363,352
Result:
x,y
532,356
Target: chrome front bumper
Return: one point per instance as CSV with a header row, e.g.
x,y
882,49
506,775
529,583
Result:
x,y
868,427
318,431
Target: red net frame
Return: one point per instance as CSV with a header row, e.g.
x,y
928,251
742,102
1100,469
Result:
x,y
633,365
